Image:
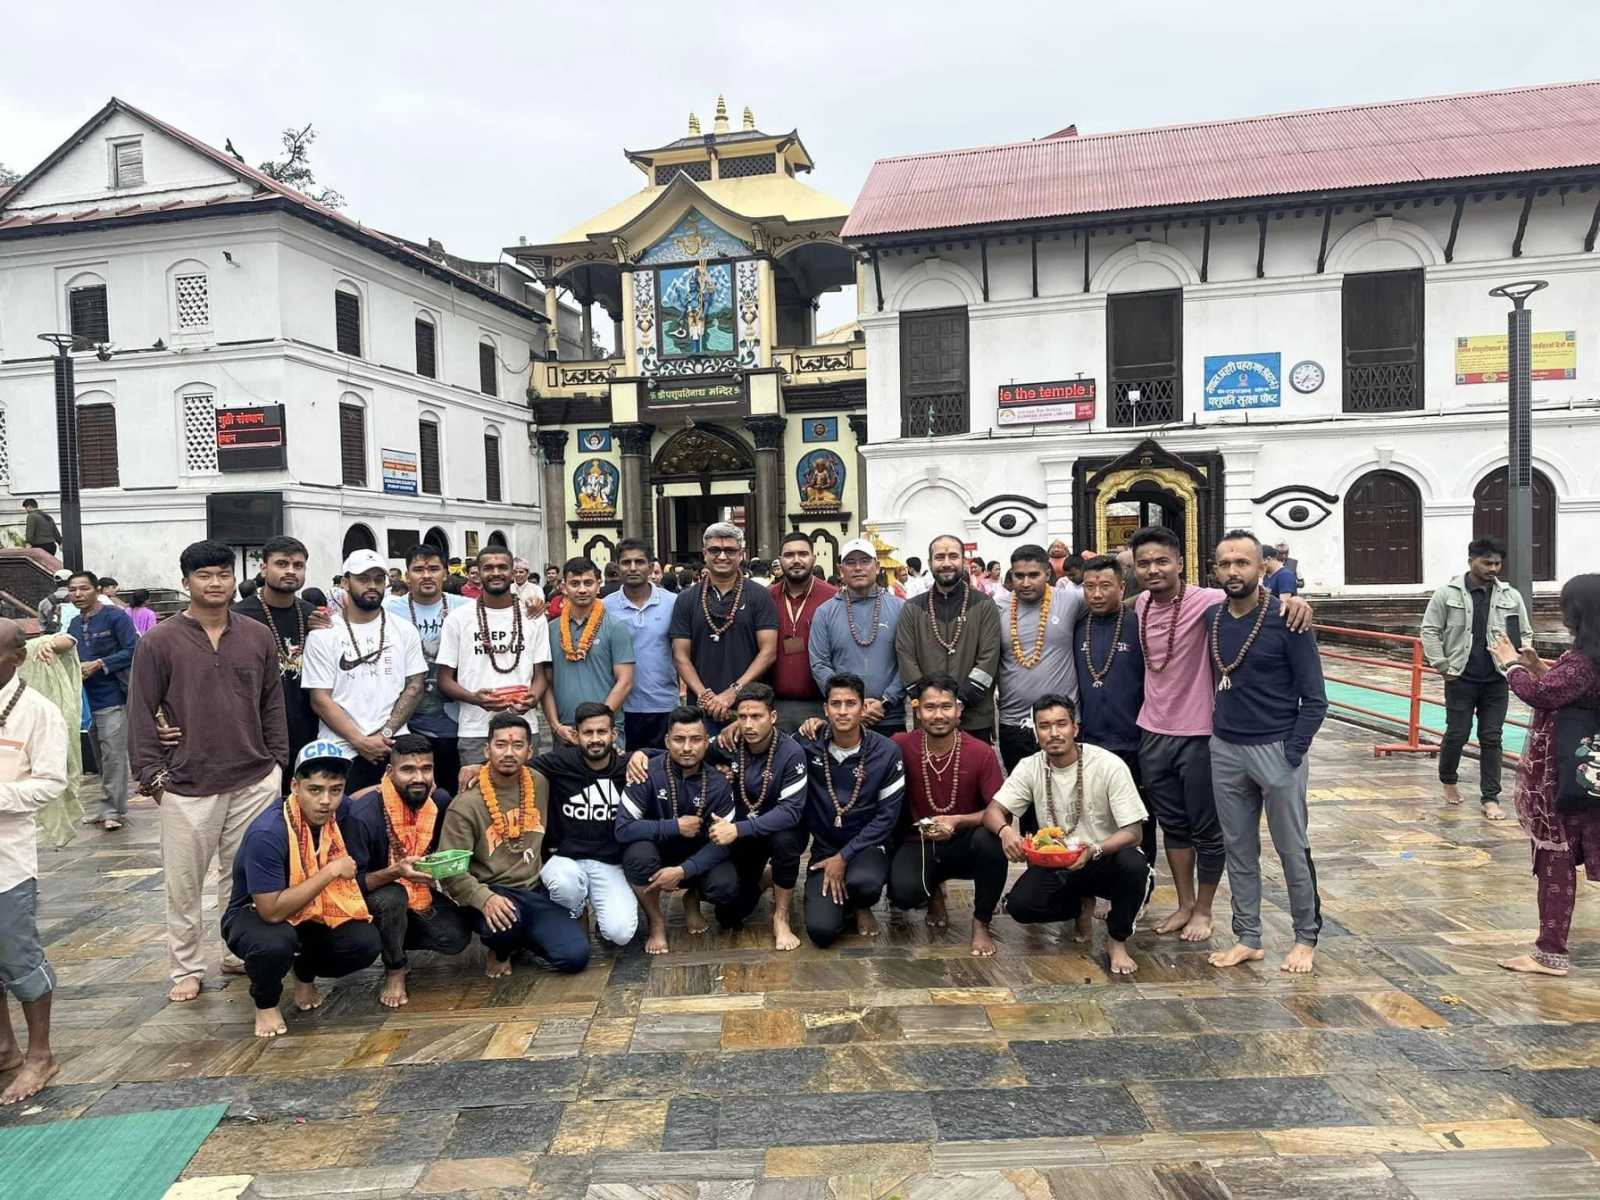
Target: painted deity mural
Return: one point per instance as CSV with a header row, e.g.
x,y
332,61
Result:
x,y
696,312
595,484
692,239
820,476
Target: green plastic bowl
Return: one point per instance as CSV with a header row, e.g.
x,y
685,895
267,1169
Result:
x,y
442,864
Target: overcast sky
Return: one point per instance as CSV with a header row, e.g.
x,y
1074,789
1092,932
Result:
x,y
476,123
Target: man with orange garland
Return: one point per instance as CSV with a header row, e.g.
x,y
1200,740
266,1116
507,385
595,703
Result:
x,y
593,662
295,900
386,829
500,817
950,779
1037,620
798,594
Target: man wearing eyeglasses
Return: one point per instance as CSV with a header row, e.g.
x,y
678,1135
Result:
x,y
724,628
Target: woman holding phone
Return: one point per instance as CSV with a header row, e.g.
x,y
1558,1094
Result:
x,y
1565,831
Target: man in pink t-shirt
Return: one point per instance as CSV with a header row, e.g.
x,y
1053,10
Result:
x,y
1175,723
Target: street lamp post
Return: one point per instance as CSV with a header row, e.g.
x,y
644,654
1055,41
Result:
x,y
67,450
1519,416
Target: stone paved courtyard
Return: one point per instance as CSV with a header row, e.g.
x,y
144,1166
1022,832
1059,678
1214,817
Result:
x,y
1408,1066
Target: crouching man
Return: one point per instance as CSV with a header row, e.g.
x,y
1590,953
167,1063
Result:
x,y
295,900
387,828
1089,794
501,819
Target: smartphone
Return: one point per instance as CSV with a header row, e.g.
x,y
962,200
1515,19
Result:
x,y
1514,630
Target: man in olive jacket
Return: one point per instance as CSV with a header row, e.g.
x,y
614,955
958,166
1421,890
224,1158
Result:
x,y
953,629
1463,617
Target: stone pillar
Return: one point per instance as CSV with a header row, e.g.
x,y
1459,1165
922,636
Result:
x,y
552,316
634,439
858,426
617,349
553,447
586,330
768,434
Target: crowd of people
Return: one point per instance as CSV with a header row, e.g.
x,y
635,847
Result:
x,y
366,765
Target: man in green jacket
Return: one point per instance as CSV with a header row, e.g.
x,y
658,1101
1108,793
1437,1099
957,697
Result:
x,y
1463,618
39,528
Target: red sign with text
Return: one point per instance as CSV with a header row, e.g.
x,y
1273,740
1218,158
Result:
x,y
1061,400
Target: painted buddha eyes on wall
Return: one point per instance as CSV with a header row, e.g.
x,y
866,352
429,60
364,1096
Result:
x,y
1007,515
1297,506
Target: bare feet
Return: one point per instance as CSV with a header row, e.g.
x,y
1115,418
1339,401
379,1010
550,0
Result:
x,y
497,967
656,943
1234,955
1300,960
1452,794
1083,927
1102,909
269,1023
185,989
35,1073
1198,928
10,1058
394,994
1175,921
693,919
1492,811
232,966
1121,961
1526,964
982,943
783,937
306,996
938,911
866,923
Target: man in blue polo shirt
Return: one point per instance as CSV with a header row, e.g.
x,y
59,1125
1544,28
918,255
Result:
x,y
647,612
106,641
1270,702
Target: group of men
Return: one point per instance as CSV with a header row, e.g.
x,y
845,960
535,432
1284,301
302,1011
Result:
x,y
717,743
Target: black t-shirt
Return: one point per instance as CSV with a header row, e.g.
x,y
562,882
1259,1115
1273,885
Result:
x,y
722,658
583,805
1480,667
296,699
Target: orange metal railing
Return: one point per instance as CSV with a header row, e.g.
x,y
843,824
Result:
x,y
1412,662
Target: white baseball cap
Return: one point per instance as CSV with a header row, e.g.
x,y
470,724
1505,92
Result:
x,y
362,561
857,544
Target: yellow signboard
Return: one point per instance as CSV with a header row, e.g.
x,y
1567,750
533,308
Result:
x,y
1483,359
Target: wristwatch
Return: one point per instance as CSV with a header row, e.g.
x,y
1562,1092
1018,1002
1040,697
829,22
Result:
x,y
1098,851
387,731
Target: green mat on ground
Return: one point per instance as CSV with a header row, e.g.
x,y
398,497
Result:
x,y
132,1157
1399,710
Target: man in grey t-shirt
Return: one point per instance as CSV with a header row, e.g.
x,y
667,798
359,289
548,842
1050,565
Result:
x,y
1034,663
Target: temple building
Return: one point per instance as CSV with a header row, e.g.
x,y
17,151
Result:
x,y
1280,323
721,400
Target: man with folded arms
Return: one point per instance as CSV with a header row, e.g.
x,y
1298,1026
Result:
x,y
1087,793
500,817
296,902
387,828
951,777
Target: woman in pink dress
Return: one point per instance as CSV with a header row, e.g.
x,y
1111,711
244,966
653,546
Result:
x,y
1563,839
144,618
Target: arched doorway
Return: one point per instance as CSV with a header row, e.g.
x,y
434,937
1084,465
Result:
x,y
1489,517
358,537
438,537
1382,530
702,474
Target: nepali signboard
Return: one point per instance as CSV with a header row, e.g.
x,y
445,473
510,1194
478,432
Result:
x,y
251,439
1484,359
400,472
1057,402
1243,381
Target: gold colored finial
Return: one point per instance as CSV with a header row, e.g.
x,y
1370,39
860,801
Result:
x,y
749,118
720,125
694,124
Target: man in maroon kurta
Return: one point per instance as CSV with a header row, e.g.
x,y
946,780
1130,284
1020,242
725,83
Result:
x,y
798,594
950,778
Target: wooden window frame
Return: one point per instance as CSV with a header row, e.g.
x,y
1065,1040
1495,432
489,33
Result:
x,y
493,479
915,398
430,472
1123,377
98,465
426,330
488,368
1361,384
348,476
347,322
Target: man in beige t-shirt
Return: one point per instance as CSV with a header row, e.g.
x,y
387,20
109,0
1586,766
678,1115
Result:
x,y
1090,794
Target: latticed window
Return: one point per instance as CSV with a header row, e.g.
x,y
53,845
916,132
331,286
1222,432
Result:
x,y
488,370
97,446
5,450
1144,339
86,310
200,433
353,445
699,171
491,465
347,322
747,164
127,164
933,373
427,350
428,445
1382,313
193,301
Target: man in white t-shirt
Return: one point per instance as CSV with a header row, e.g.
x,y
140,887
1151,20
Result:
x,y
490,658
366,673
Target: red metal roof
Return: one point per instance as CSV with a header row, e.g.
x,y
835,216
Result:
x,y
1410,141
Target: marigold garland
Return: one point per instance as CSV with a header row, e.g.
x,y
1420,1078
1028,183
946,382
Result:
x,y
1028,661
502,828
591,629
